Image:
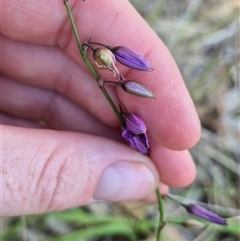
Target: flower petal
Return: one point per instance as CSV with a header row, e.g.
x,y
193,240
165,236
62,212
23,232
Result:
x,y
205,214
130,58
138,142
135,124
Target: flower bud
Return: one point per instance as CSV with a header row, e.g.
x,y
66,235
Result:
x,y
130,58
138,142
205,214
135,88
105,59
135,133
135,124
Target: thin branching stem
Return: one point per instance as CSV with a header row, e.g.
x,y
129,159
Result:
x,y
98,44
118,114
89,65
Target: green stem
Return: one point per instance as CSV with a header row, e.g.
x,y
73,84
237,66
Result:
x,y
162,222
89,65
118,114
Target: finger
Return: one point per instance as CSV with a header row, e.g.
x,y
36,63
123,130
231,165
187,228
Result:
x,y
50,68
7,119
171,118
58,112
176,168
152,198
41,168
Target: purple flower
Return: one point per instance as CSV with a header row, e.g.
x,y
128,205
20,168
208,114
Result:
x,y
135,133
135,88
205,214
130,58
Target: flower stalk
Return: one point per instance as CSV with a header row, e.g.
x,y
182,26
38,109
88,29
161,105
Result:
x,y
89,65
132,60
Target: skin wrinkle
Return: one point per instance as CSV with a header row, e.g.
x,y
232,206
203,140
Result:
x,y
28,183
57,170
8,187
11,182
32,170
38,186
64,181
55,193
92,179
90,182
48,179
45,198
35,162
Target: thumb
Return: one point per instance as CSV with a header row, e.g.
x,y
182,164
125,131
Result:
x,y
45,170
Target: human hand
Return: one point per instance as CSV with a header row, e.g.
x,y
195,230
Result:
x,y
61,140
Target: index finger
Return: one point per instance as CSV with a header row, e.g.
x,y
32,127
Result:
x,y
171,118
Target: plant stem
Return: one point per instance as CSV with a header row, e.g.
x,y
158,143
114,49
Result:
x,y
89,65
161,223
118,114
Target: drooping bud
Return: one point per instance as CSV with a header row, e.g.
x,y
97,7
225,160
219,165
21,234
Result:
x,y
130,58
135,88
205,214
135,133
105,59
135,124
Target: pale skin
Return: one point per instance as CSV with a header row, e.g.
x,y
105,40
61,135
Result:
x,y
61,144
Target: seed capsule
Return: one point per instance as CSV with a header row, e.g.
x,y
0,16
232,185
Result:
x,y
105,59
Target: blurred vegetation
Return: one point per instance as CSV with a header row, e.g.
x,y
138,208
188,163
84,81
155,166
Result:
x,y
203,37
